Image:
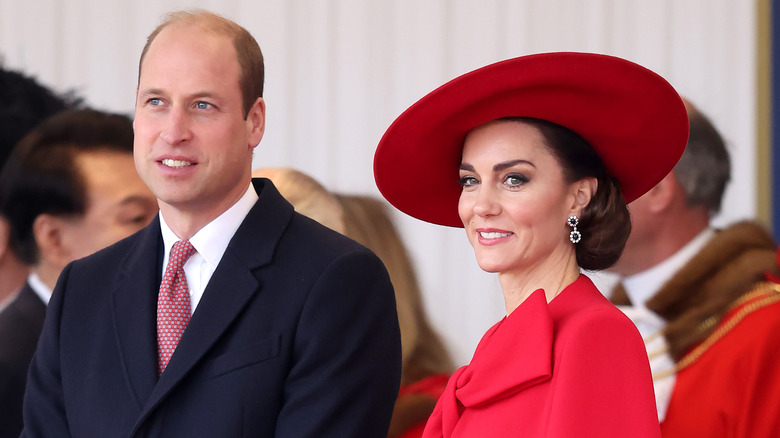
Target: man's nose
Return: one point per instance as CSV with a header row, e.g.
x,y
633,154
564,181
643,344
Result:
x,y
177,127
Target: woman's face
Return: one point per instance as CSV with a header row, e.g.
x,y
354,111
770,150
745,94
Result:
x,y
515,199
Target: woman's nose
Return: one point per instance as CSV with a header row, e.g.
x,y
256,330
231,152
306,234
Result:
x,y
485,203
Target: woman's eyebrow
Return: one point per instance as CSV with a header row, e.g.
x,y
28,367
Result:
x,y
507,164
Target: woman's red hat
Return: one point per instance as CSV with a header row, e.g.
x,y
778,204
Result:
x,y
633,119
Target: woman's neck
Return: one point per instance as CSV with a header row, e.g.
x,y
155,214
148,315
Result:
x,y
552,275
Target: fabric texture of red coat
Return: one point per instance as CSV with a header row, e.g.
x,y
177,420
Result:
x,y
574,367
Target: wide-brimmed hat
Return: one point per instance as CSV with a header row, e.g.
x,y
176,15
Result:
x,y
633,119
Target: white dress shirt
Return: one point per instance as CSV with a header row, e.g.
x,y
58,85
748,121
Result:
x,y
210,243
642,287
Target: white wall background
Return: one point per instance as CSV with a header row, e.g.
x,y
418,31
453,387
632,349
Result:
x,y
339,72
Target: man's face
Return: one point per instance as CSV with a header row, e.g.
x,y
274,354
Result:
x,y
118,203
193,146
643,232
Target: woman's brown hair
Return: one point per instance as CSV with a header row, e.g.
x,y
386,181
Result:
x,y
605,222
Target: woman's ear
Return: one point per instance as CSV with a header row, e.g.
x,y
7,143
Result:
x,y
583,191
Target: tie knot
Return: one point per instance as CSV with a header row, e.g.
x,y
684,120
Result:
x,y
180,253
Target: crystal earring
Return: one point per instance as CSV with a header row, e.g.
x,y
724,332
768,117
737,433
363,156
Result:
x,y
575,235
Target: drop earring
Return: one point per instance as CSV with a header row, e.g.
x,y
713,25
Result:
x,y
575,235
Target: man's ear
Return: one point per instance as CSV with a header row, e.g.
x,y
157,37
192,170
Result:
x,y
583,191
662,194
48,232
256,122
5,237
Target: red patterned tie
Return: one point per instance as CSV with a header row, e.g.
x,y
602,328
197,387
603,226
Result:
x,y
173,303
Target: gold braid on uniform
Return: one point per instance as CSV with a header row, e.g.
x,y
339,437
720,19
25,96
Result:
x,y
716,280
764,294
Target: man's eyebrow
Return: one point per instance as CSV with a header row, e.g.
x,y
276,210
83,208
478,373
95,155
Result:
x,y
204,93
135,199
149,91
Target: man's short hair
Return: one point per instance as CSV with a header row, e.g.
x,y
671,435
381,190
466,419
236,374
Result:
x,y
25,104
248,53
41,175
705,167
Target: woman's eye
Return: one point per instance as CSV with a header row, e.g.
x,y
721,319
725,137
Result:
x,y
468,181
515,180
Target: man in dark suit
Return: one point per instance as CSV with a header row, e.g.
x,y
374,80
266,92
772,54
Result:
x,y
278,327
69,189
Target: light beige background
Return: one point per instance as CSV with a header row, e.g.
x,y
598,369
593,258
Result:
x,y
340,71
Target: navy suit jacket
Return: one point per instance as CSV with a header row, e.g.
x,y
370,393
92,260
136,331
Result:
x,y
296,335
20,326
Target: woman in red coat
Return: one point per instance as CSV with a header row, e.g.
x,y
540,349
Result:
x,y
536,157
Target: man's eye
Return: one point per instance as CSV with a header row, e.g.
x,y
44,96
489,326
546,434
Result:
x,y
203,105
155,101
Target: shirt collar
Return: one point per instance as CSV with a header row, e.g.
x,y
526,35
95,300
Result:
x,y
39,287
644,285
212,240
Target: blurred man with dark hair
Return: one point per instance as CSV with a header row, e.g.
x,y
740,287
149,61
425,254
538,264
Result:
x,y
701,299
25,104
69,189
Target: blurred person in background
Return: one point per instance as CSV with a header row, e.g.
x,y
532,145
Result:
x,y
69,189
307,195
427,364
701,299
25,104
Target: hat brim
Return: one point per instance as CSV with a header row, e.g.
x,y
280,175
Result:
x,y
632,117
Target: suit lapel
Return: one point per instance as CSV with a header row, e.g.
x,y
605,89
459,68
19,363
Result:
x,y
231,287
135,311
30,308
